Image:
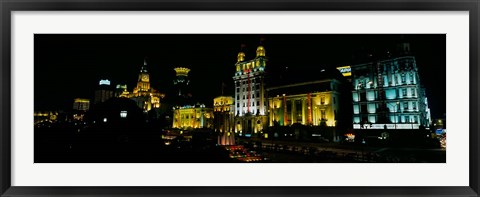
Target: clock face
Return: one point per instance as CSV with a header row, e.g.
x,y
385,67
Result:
x,y
144,77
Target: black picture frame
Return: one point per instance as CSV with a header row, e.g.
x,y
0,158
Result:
x,y
7,6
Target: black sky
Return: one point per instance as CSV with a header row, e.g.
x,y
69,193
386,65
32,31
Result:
x,y
68,66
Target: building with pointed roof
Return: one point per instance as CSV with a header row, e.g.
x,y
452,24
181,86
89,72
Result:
x,y
146,97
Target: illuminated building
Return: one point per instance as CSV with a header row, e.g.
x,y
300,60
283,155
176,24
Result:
x,y
250,100
146,97
307,103
223,108
121,91
192,117
81,104
387,95
41,116
181,81
103,92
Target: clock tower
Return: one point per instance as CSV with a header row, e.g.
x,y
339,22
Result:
x,y
146,97
143,84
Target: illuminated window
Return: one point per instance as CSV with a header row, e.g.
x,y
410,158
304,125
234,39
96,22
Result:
x,y
413,92
404,92
123,114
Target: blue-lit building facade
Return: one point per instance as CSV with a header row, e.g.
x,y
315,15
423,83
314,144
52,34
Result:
x,y
387,94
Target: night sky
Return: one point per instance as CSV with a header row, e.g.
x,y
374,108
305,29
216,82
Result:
x,y
70,66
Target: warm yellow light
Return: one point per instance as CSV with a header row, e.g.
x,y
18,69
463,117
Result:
x,y
81,100
181,71
345,70
260,51
241,57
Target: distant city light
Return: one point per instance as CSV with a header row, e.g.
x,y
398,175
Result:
x,y
104,82
123,114
104,119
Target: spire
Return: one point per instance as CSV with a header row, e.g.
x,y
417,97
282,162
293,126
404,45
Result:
x,y
144,67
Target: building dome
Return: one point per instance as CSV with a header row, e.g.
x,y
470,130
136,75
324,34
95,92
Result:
x,y
241,57
260,51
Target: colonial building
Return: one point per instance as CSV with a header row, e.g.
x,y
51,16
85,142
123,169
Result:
x,y
387,94
223,108
192,117
250,100
145,96
308,103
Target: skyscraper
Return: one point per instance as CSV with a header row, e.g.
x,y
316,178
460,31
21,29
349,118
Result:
x,y
250,101
181,84
104,91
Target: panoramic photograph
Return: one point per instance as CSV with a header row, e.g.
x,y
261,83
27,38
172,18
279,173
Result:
x,y
239,98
